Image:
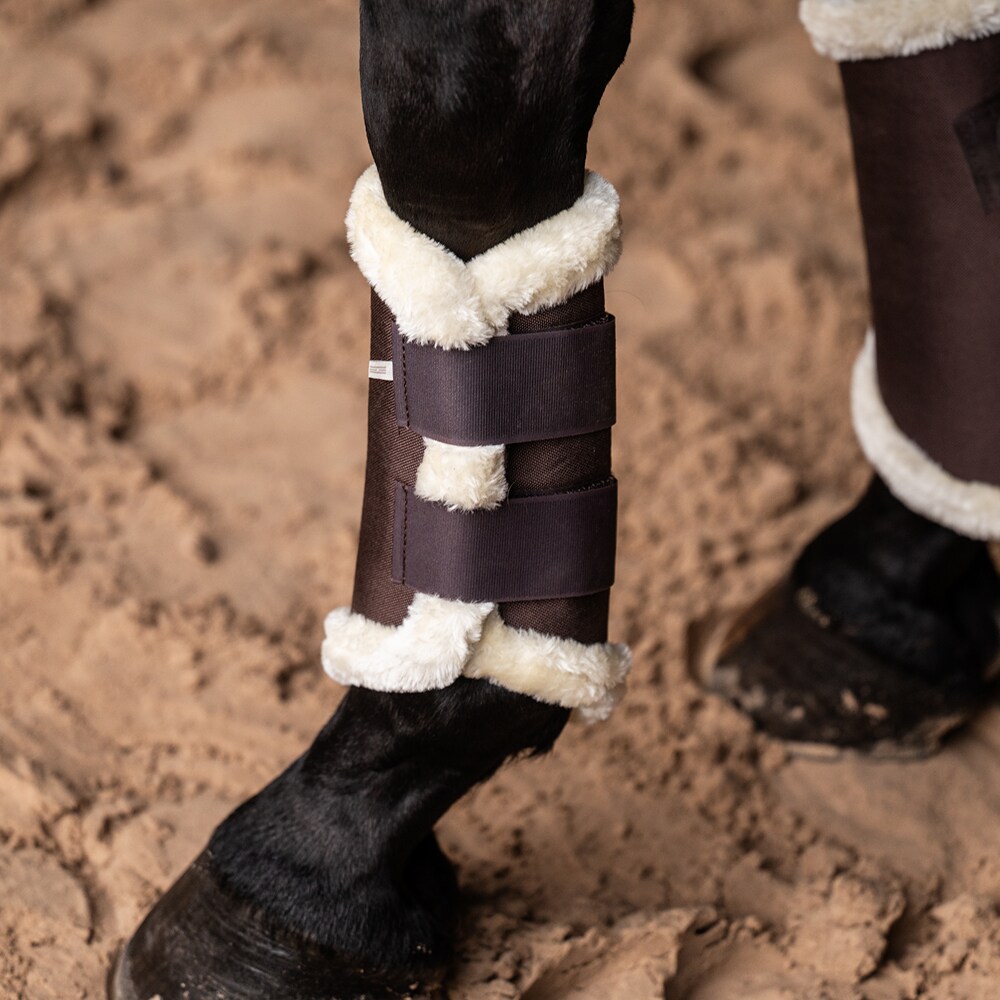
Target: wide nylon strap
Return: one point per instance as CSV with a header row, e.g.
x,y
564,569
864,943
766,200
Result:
x,y
527,549
516,388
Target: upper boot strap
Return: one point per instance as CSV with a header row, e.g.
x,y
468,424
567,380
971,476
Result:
x,y
529,548
516,388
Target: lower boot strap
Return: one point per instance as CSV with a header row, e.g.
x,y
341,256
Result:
x,y
516,388
527,549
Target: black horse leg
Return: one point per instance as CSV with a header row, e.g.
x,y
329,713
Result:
x,y
329,882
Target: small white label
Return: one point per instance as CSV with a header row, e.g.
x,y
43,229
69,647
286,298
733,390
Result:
x,y
382,370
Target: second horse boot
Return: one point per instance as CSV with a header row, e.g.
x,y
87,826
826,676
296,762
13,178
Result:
x,y
885,636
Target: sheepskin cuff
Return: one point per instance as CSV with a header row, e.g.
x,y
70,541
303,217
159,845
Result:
x,y
443,640
871,29
440,301
970,508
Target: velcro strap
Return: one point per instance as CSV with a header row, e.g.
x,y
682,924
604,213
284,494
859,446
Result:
x,y
518,387
527,549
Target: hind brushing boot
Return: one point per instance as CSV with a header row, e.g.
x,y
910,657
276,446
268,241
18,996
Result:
x,y
479,617
885,636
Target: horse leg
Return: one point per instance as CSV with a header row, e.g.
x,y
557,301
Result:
x,y
329,882
885,636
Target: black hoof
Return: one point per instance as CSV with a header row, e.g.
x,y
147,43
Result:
x,y
329,884
803,682
884,639
201,943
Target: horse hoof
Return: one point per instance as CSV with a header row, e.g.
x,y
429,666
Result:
x,y
199,943
808,684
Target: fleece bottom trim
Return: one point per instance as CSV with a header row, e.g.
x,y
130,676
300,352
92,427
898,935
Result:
x,y
442,640
970,508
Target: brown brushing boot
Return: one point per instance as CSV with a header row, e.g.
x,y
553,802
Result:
x,y
885,636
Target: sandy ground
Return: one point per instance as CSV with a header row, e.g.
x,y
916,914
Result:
x,y
182,381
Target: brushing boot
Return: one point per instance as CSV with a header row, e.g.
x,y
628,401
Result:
x,y
479,618
884,637
478,623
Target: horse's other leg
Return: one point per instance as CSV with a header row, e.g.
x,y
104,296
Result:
x,y
886,634
329,883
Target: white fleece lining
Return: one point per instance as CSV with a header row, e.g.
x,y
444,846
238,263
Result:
x,y
440,300
429,650
590,679
970,508
438,643
462,478
871,29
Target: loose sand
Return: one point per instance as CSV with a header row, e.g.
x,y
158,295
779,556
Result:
x,y
182,383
